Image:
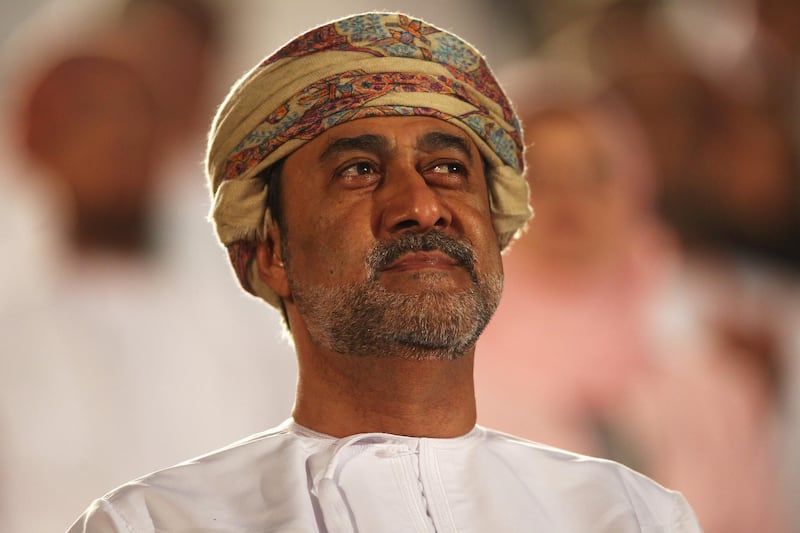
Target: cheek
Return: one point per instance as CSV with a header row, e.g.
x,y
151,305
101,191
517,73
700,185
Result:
x,y
488,256
329,249
478,228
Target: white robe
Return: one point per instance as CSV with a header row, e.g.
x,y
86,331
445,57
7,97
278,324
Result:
x,y
292,479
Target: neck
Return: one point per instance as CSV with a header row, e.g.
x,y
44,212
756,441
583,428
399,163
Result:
x,y
343,395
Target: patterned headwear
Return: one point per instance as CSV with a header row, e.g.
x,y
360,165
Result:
x,y
369,65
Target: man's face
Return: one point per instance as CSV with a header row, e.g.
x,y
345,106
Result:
x,y
388,242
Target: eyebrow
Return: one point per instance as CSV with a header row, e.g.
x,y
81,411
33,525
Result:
x,y
372,143
378,144
437,140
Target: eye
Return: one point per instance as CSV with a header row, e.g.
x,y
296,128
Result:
x,y
449,168
359,174
447,173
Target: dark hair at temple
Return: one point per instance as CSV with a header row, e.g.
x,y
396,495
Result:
x,y
271,176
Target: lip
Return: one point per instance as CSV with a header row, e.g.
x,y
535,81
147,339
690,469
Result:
x,y
422,261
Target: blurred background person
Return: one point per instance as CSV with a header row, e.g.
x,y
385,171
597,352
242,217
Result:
x,y
715,87
578,284
119,354
625,346
174,45
91,123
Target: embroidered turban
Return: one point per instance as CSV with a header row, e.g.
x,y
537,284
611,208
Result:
x,y
368,65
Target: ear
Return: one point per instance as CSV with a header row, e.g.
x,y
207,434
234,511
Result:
x,y
270,263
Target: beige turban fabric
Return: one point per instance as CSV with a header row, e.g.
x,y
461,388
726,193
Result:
x,y
368,65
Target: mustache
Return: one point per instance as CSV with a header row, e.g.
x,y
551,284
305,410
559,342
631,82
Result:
x,y
385,253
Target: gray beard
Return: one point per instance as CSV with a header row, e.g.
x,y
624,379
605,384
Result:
x,y
364,319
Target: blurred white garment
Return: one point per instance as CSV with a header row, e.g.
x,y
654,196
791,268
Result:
x,y
112,368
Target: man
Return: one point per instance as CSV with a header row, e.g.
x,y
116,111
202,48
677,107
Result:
x,y
390,165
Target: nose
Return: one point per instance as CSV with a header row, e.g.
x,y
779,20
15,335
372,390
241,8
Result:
x,y
408,203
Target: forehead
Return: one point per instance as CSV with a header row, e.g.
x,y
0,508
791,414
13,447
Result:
x,y
395,130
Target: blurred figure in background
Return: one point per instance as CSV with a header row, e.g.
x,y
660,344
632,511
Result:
x,y
91,124
173,44
582,275
627,347
718,102
576,286
715,87
105,372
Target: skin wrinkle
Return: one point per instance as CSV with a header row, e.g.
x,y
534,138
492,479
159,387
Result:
x,y
437,140
375,144
379,145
